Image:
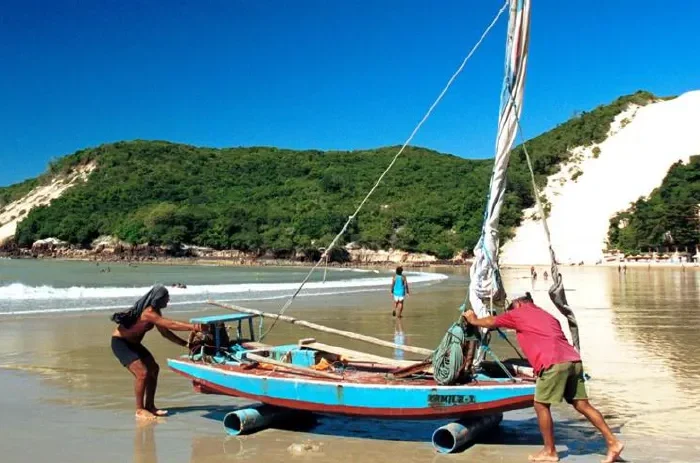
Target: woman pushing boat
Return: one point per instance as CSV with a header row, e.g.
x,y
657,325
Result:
x,y
127,347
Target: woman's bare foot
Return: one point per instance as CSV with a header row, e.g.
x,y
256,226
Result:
x,y
157,412
144,415
544,455
614,452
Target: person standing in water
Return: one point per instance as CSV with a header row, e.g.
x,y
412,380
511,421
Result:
x,y
128,348
399,290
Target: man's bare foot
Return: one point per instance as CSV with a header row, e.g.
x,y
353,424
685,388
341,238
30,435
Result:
x,y
614,452
157,412
145,415
544,455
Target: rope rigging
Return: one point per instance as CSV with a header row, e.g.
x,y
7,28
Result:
x,y
352,217
556,292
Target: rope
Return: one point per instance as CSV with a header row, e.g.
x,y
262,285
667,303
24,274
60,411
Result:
x,y
325,269
381,177
488,350
540,209
504,336
554,266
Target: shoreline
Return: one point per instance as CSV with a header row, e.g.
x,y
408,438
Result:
x,y
235,262
636,265
270,262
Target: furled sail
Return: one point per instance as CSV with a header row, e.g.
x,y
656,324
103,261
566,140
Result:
x,y
486,288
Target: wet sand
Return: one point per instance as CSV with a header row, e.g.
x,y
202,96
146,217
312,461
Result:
x,y
66,398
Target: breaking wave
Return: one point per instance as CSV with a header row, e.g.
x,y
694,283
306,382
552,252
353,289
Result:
x,y
17,298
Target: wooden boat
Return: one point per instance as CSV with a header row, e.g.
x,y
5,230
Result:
x,y
319,378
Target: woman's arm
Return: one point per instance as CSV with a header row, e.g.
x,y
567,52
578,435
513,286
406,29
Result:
x,y
154,317
170,336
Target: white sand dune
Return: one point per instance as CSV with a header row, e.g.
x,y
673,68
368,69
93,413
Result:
x,y
17,211
642,145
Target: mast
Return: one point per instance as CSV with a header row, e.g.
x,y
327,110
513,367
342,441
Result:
x,y
486,287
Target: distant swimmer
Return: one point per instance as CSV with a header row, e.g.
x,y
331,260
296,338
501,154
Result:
x,y
127,347
399,291
533,273
545,275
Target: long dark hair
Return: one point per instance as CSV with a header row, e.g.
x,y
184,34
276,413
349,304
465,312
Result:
x,y
156,297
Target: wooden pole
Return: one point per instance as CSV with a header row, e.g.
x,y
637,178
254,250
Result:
x,y
327,329
355,356
289,366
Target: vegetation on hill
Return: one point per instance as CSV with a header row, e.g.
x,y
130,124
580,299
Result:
x,y
11,193
267,199
282,201
59,166
668,218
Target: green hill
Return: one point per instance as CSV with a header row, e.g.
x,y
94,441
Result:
x,y
668,218
282,201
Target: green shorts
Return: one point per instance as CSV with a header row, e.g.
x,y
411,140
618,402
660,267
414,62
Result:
x,y
561,381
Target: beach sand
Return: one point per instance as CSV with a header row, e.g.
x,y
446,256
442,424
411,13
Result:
x,y
66,398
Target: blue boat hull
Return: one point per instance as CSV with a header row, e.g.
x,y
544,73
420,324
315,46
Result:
x,y
368,395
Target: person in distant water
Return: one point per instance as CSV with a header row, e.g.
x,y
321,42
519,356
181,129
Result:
x,y
557,365
127,347
399,290
545,275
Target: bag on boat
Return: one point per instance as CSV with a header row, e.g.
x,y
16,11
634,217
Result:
x,y
449,358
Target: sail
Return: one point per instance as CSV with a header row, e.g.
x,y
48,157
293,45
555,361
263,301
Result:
x,y
486,288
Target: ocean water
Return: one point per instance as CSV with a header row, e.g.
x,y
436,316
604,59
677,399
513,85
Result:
x,y
41,287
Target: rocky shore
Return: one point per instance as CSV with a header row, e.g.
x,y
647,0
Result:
x,y
110,249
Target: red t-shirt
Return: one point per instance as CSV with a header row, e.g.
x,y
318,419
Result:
x,y
539,335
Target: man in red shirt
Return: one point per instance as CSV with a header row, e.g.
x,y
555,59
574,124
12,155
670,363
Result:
x,y
557,366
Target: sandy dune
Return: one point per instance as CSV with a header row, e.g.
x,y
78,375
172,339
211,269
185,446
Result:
x,y
16,211
642,145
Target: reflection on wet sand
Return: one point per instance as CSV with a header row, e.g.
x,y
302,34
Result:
x,y
635,346
145,443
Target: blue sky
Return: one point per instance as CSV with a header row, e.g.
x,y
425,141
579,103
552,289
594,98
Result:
x,y
314,74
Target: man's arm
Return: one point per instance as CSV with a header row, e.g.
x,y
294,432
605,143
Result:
x,y
170,336
405,283
486,322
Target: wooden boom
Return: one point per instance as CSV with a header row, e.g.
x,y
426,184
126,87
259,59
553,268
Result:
x,y
327,329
